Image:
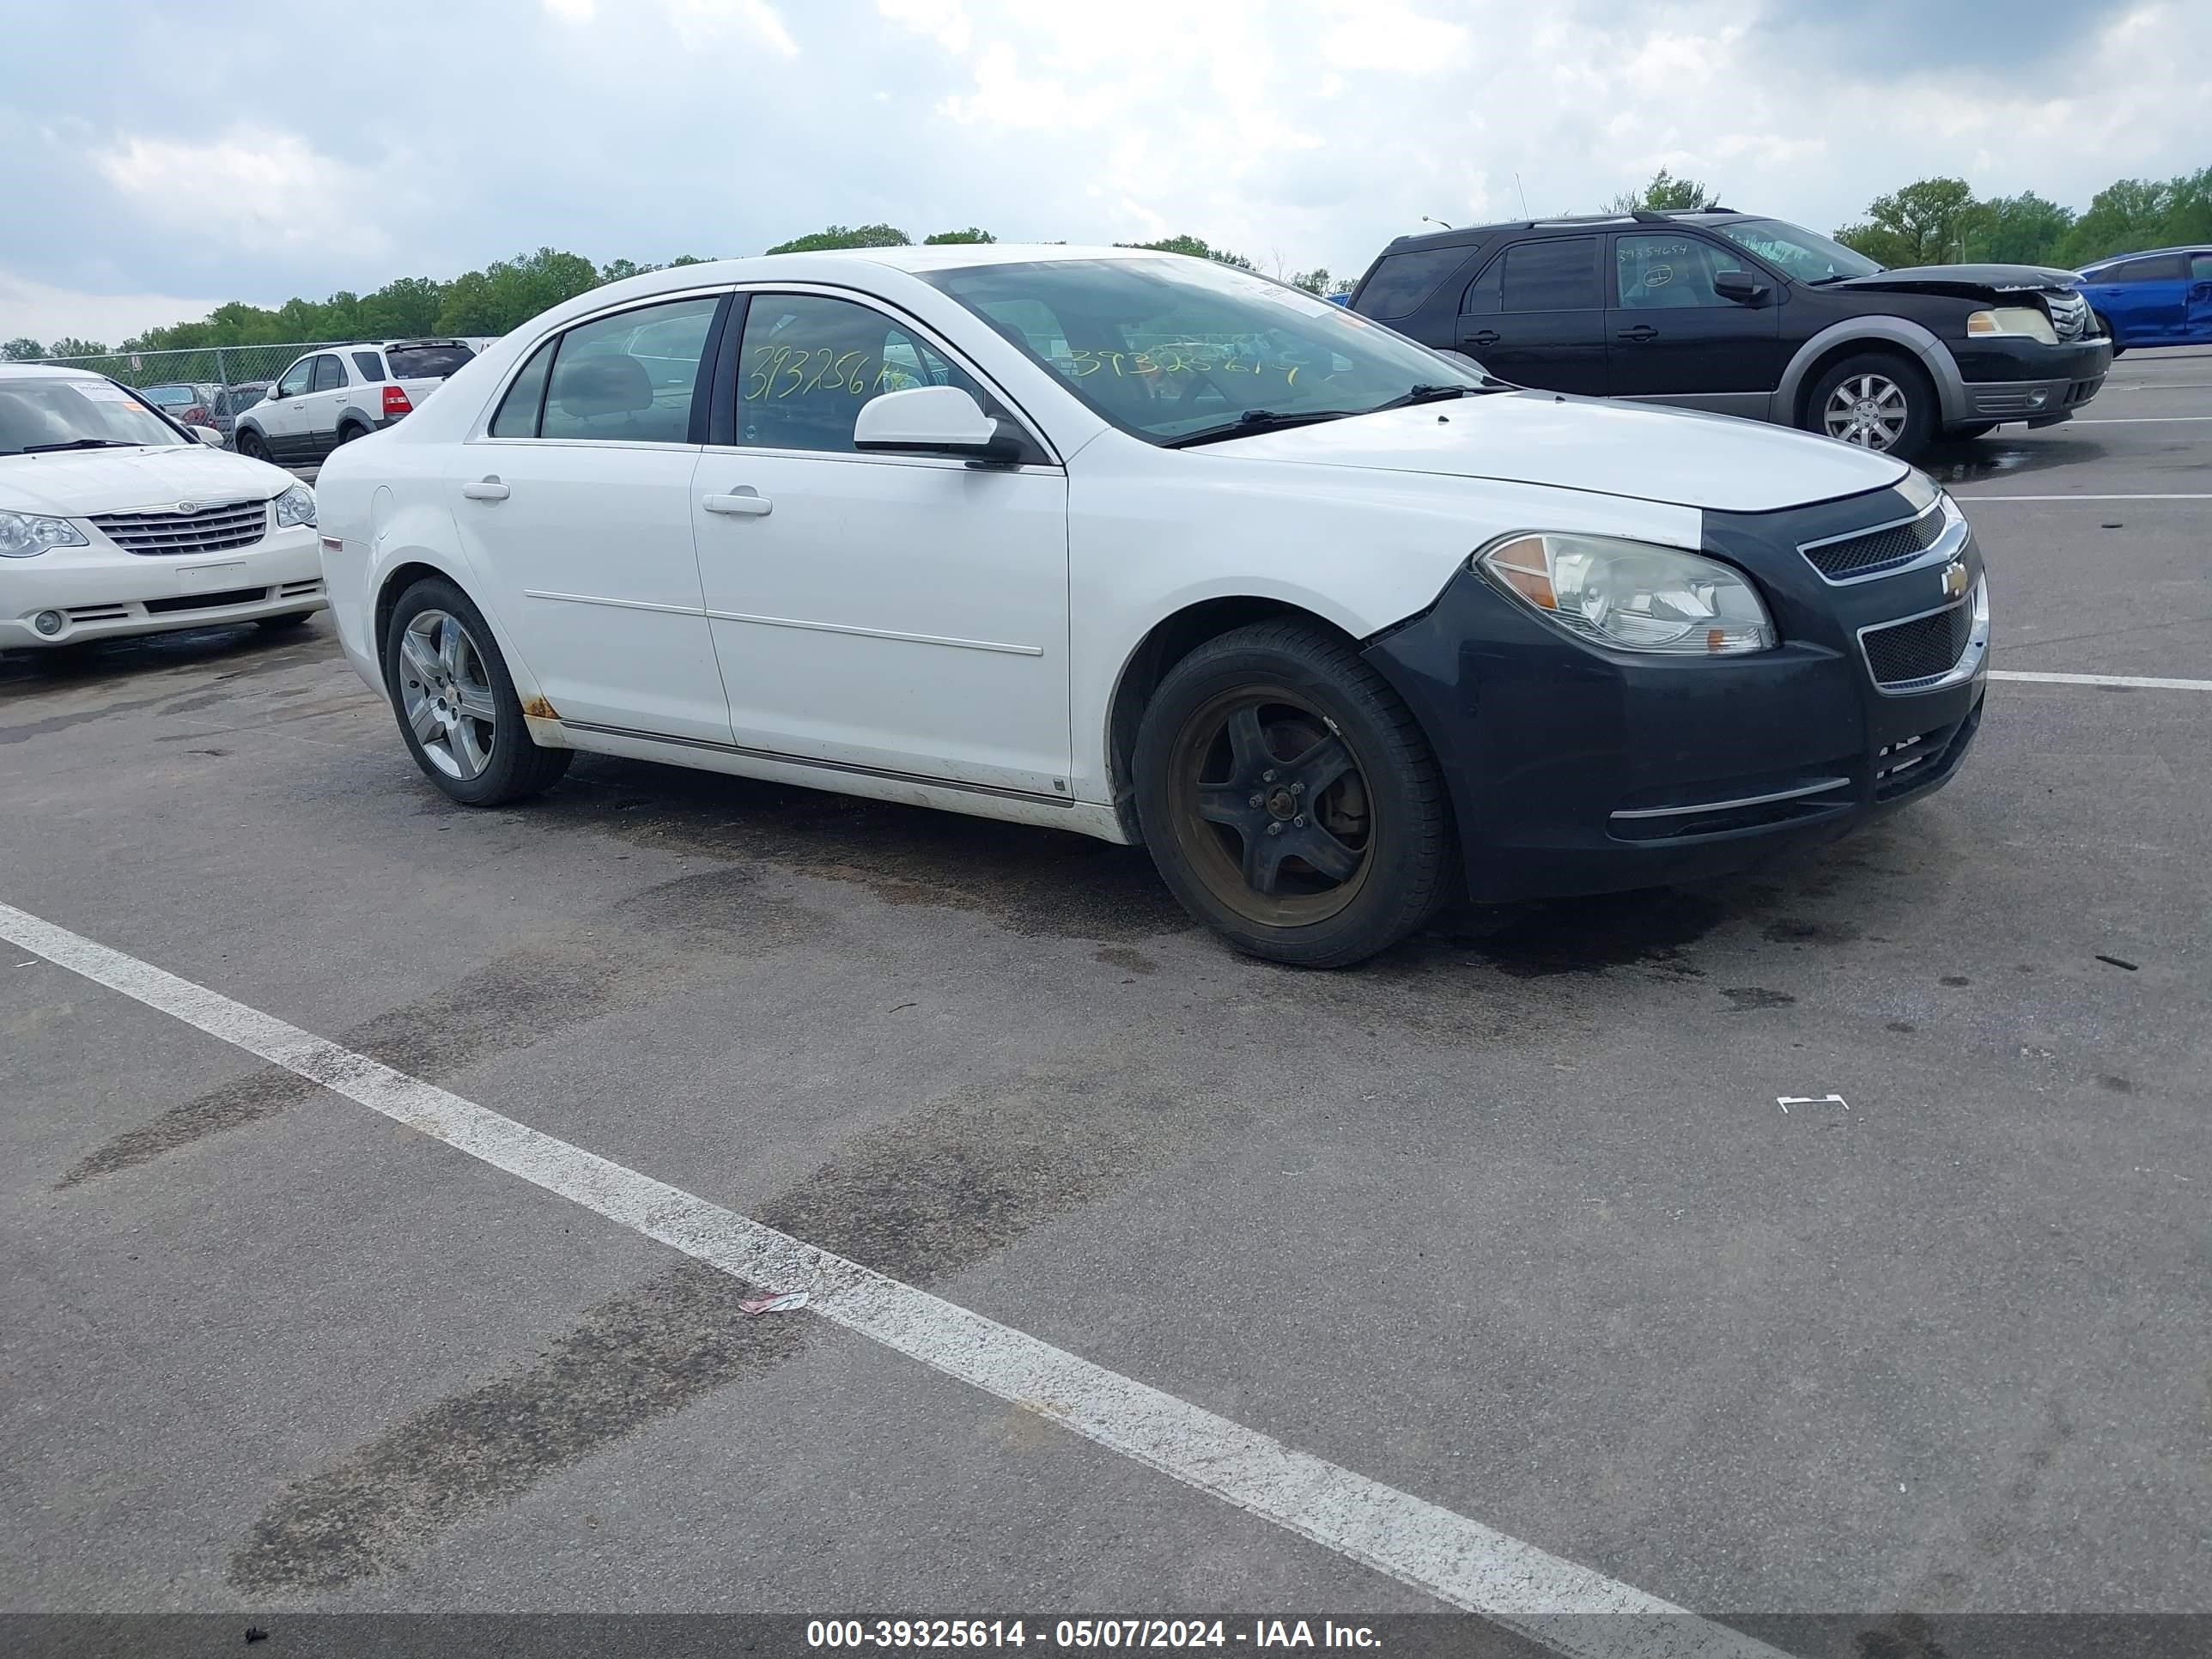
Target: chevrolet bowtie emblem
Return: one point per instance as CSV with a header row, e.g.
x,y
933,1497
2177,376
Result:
x,y
1954,580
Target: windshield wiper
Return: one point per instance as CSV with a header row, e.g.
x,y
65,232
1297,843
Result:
x,y
1428,394
78,443
1253,422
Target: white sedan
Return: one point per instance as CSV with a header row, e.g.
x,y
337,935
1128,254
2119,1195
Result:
x,y
114,519
1160,552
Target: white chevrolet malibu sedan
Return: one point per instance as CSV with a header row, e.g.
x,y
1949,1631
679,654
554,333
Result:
x,y
1157,551
115,519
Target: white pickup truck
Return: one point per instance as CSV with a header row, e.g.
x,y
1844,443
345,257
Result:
x,y
333,396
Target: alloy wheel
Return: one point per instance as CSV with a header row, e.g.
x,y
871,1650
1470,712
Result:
x,y
1269,802
1869,410
445,693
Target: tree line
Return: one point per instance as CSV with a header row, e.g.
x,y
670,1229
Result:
x,y
1929,222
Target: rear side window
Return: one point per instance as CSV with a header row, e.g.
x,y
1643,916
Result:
x,y
330,374
370,365
1402,281
427,362
1555,275
518,411
2162,268
628,378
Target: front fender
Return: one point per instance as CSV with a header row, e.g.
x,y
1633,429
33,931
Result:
x,y
1926,347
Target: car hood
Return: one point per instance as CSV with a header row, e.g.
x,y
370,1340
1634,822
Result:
x,y
1634,450
1970,281
72,483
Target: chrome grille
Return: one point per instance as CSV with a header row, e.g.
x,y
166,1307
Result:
x,y
207,530
1873,551
2069,314
1924,648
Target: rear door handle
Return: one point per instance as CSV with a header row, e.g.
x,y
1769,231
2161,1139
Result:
x,y
744,502
1488,336
1640,333
486,489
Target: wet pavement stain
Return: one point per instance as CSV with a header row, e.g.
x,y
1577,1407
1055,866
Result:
x,y
622,958
918,1199
1797,930
1031,881
1747,997
1136,962
633,1359
1589,936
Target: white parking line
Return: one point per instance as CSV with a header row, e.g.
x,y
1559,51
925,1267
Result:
x,y
1517,1585
1957,497
2132,682
2140,420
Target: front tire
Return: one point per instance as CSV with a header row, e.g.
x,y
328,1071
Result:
x,y
254,446
2103,326
1875,400
1289,799
456,703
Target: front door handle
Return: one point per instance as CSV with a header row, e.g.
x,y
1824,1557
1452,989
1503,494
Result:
x,y
1640,333
1488,336
486,489
744,502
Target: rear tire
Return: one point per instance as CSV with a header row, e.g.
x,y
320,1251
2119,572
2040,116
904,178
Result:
x,y
1288,799
350,431
1876,400
455,700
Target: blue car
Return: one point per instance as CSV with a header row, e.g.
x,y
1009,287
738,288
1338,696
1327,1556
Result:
x,y
2160,298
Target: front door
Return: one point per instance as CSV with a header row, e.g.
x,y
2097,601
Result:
x,y
283,415
902,615
576,510
1535,315
2199,299
326,395
1672,335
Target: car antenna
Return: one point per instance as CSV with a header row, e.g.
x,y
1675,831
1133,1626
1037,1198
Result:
x,y
1427,220
1524,194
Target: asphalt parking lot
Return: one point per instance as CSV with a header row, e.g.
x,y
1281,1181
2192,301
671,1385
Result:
x,y
1510,1221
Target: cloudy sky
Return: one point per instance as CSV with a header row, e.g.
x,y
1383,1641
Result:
x,y
169,156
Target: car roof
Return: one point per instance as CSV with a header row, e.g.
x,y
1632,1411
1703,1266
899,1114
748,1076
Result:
x,y
1468,235
46,372
2145,253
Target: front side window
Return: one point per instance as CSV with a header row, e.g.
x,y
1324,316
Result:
x,y
38,414
2200,267
1554,276
1796,252
628,378
330,374
807,364
370,365
1167,349
297,379
1402,281
1668,272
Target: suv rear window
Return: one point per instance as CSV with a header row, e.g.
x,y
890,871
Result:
x,y
1402,281
426,362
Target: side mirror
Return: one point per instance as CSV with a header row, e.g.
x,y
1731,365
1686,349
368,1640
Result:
x,y
933,420
207,434
1741,286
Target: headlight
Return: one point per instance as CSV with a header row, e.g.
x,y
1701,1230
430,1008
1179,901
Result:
x,y
296,505
1631,595
27,535
2025,321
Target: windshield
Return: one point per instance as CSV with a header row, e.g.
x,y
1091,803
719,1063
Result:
x,y
39,414
426,362
1167,348
1805,254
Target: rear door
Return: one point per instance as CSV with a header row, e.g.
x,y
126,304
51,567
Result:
x,y
1672,335
1535,315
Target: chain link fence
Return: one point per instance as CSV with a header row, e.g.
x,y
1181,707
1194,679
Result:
x,y
218,366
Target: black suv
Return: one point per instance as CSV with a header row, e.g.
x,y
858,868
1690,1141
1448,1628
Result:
x,y
1741,315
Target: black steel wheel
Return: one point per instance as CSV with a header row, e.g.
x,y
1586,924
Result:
x,y
1290,801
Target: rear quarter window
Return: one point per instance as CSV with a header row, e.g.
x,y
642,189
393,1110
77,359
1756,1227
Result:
x,y
1402,281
